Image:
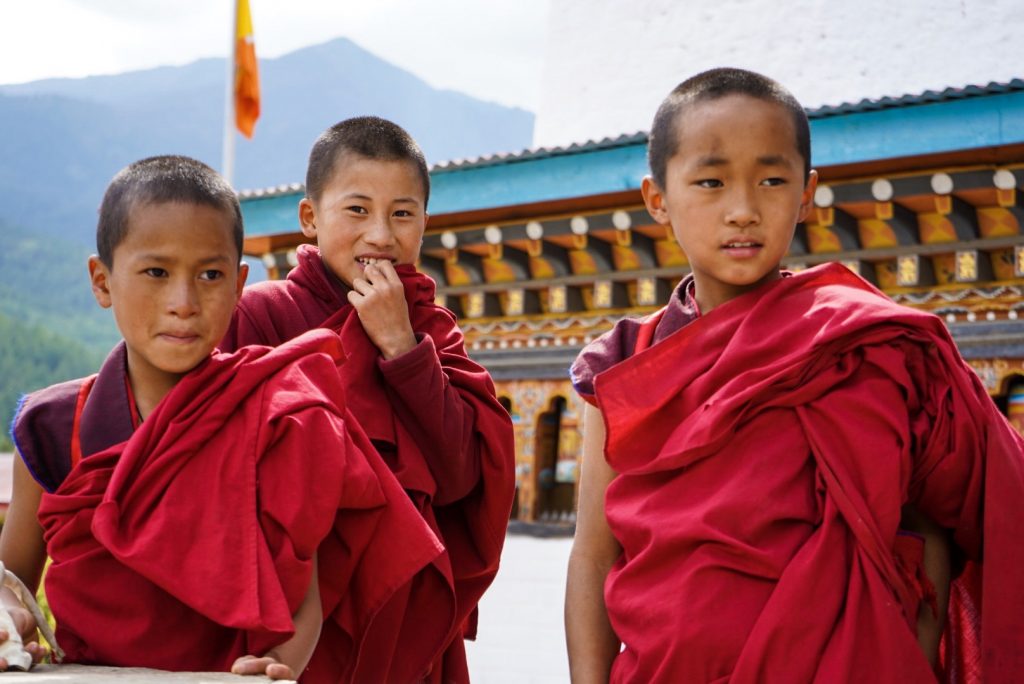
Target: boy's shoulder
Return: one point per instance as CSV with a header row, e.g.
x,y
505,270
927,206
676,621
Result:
x,y
620,343
42,429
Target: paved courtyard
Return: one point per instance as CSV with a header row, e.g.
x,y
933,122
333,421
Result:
x,y
521,639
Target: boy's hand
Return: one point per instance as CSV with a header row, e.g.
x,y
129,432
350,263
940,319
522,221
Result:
x,y
379,299
26,625
267,665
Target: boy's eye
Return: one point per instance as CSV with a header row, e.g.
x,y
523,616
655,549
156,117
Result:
x,y
709,183
211,274
156,272
356,209
773,181
403,213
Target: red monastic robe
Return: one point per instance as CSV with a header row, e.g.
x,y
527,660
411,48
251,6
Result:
x,y
191,543
761,475
432,413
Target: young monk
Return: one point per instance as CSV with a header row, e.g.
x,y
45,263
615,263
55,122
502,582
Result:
x,y
430,410
740,517
181,493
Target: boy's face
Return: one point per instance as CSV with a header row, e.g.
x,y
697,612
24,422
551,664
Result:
x,y
174,283
369,209
734,192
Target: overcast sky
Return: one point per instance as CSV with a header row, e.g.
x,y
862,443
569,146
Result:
x,y
491,50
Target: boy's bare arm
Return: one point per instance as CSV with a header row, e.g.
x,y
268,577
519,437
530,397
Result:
x,y
23,552
288,660
937,565
591,642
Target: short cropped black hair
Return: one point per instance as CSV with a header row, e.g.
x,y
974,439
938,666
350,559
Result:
x,y
663,140
158,180
367,136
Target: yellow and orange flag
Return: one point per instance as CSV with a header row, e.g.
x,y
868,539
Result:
x,y
247,78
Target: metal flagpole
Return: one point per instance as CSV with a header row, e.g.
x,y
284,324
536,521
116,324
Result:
x,y
228,153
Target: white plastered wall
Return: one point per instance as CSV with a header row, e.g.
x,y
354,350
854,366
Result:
x,y
608,63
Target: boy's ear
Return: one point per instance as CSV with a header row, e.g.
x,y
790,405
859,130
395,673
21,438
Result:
x,y
654,198
807,198
243,273
99,276
307,217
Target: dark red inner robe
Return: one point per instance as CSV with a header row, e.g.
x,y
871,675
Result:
x,y
191,543
761,475
432,413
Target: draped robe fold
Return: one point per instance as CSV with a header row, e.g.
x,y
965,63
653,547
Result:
x,y
190,542
403,405
761,475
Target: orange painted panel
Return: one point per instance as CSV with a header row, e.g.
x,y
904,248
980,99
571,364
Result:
x,y
821,239
1002,264
582,262
625,259
935,228
885,272
997,222
875,233
541,269
498,271
457,275
669,253
944,266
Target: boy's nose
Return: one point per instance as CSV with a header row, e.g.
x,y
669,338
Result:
x,y
743,210
380,233
183,300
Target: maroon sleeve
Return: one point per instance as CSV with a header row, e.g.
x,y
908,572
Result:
x,y
600,355
439,418
41,432
243,330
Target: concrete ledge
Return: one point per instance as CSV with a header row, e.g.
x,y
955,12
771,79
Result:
x,y
91,674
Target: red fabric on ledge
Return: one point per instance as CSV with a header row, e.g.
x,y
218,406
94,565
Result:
x,y
761,478
432,412
191,544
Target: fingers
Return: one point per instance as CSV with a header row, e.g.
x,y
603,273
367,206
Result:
x,y
380,272
37,651
251,665
382,268
379,278
279,671
24,622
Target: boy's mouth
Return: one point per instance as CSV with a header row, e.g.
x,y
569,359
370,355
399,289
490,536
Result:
x,y
179,337
367,261
742,248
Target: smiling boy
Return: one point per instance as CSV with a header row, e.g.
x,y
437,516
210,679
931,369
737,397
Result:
x,y
430,410
743,521
178,491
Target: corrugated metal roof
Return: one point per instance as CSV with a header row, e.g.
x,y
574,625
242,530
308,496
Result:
x,y
927,97
640,137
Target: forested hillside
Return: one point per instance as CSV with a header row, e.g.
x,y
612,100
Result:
x,y
32,357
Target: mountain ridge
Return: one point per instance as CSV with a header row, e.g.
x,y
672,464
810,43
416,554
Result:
x,y
67,137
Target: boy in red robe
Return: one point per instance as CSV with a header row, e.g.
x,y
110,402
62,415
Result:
x,y
430,410
181,493
740,518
